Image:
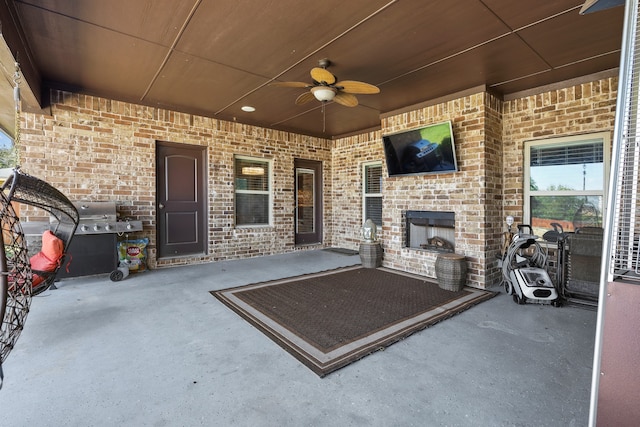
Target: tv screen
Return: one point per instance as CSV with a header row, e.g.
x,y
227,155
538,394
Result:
x,y
429,149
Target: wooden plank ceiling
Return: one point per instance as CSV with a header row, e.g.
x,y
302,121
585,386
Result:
x,y
211,57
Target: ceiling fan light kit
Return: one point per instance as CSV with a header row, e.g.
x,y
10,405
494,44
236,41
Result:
x,y
324,93
326,87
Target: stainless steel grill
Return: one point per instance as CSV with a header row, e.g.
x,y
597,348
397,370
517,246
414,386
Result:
x,y
94,246
102,218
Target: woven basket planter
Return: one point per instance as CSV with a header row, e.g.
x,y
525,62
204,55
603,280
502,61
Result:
x,y
371,255
451,271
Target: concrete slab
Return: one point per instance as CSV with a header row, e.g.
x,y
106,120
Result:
x,y
156,349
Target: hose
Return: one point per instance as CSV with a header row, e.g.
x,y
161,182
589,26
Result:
x,y
538,258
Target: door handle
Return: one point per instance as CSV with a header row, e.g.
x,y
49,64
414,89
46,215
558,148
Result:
x,y
160,206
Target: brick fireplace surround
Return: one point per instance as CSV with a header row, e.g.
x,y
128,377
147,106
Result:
x,y
98,149
489,135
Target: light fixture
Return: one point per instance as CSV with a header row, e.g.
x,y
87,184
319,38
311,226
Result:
x,y
509,222
323,93
248,109
252,170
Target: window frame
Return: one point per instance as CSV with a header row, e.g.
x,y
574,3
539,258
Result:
x,y
366,195
269,191
605,137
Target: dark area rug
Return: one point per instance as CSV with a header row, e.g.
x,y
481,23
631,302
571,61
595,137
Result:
x,y
328,320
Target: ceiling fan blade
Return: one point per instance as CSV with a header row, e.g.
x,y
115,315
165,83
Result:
x,y
304,98
346,99
290,84
322,75
352,86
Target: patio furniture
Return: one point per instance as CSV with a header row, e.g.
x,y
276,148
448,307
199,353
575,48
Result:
x,y
451,271
370,254
16,275
29,190
583,261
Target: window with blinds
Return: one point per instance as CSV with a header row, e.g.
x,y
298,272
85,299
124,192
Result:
x,y
252,191
577,154
372,193
565,182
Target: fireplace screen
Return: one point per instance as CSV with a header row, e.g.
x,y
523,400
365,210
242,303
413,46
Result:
x,y
430,230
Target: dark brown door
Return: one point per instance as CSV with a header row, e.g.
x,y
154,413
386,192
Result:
x,y
181,204
308,199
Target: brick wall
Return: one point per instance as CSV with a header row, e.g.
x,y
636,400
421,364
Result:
x,y
347,157
580,109
97,149
473,193
575,110
489,134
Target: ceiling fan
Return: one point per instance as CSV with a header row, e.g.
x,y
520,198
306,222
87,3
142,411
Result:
x,y
326,87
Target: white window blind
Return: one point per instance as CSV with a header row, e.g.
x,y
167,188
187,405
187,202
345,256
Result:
x,y
568,155
252,191
372,194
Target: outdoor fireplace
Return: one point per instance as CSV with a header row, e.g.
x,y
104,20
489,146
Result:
x,y
430,230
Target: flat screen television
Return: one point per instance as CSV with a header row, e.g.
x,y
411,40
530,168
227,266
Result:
x,y
425,150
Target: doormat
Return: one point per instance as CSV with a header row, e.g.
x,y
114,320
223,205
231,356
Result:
x,y
330,319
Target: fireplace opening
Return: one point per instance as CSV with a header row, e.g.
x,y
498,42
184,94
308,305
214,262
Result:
x,y
430,230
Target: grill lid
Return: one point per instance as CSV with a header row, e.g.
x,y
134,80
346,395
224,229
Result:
x,y
96,211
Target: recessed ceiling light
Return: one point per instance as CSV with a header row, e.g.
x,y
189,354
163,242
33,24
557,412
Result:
x,y
248,109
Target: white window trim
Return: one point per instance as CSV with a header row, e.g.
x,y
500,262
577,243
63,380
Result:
x,y
568,140
269,192
364,186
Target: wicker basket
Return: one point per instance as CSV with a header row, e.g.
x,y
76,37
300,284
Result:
x,y
451,271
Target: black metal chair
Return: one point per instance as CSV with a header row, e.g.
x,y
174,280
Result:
x,y
583,258
16,275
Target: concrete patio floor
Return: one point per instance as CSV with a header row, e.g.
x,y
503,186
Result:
x,y
156,349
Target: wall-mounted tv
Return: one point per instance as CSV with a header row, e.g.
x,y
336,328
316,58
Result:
x,y
428,149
